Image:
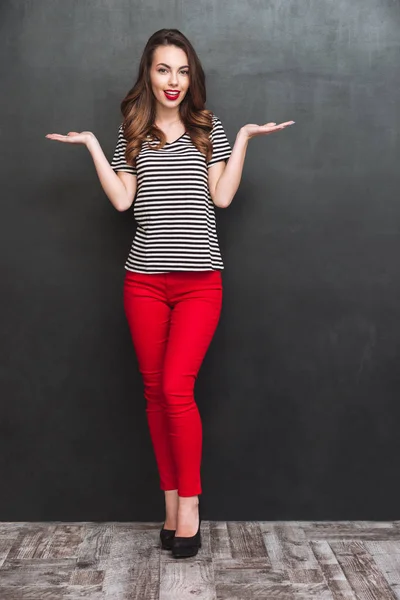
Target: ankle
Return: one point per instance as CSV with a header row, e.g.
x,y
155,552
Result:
x,y
171,509
188,504
188,500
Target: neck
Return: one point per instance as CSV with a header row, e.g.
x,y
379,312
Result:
x,y
167,116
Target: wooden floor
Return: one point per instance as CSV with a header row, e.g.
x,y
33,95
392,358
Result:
x,y
238,561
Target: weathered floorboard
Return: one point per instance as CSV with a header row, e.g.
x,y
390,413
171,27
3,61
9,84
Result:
x,y
346,560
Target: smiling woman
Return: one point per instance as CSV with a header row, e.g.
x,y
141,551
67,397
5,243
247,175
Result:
x,y
163,75
169,82
168,97
162,68
172,160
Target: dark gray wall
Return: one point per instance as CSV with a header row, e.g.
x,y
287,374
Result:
x,y
299,392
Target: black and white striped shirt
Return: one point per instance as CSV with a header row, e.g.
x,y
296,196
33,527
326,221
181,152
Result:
x,y
173,207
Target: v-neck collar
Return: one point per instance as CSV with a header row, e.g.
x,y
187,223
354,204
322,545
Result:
x,y
177,139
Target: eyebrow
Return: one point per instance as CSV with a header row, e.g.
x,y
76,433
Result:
x,y
165,65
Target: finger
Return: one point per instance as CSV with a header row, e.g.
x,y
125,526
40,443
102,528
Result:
x,y
278,127
57,136
285,124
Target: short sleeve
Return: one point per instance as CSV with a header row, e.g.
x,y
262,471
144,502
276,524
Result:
x,y
118,162
221,147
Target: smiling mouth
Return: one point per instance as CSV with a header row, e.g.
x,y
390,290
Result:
x,y
171,95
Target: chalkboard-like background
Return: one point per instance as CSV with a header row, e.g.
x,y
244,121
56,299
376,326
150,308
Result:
x,y
300,390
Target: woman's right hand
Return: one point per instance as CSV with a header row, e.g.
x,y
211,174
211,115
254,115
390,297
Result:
x,y
73,137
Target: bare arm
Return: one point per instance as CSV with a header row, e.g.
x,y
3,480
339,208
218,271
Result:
x,y
119,188
224,179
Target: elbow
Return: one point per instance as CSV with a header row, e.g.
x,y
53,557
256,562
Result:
x,y
222,203
222,200
123,206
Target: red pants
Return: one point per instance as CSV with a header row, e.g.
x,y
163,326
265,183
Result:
x,y
172,319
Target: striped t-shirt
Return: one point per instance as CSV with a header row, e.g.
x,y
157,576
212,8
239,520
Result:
x,y
173,208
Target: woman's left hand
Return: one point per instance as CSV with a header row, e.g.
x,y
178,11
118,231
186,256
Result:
x,y
251,130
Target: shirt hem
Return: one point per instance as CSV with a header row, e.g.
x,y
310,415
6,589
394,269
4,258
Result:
x,y
152,272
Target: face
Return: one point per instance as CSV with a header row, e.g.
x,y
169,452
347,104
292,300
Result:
x,y
169,73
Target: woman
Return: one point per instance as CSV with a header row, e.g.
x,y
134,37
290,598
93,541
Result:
x,y
174,160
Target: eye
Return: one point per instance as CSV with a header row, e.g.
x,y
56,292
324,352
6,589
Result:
x,y
162,70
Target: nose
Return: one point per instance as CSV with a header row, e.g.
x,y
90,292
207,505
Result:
x,y
173,79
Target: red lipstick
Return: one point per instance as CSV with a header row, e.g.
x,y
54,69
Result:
x,y
170,95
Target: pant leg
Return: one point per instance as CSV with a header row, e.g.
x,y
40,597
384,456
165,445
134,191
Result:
x,y
148,315
197,302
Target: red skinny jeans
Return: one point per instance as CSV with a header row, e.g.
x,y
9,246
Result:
x,y
172,318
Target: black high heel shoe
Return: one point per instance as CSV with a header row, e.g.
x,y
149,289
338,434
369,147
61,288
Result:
x,y
166,537
183,547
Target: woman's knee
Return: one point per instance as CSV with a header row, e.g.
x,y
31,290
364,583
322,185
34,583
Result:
x,y
153,387
178,390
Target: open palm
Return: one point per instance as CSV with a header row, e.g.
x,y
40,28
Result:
x,y
252,129
73,137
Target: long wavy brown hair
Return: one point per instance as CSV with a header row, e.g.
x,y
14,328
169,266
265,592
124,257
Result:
x,y
138,106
